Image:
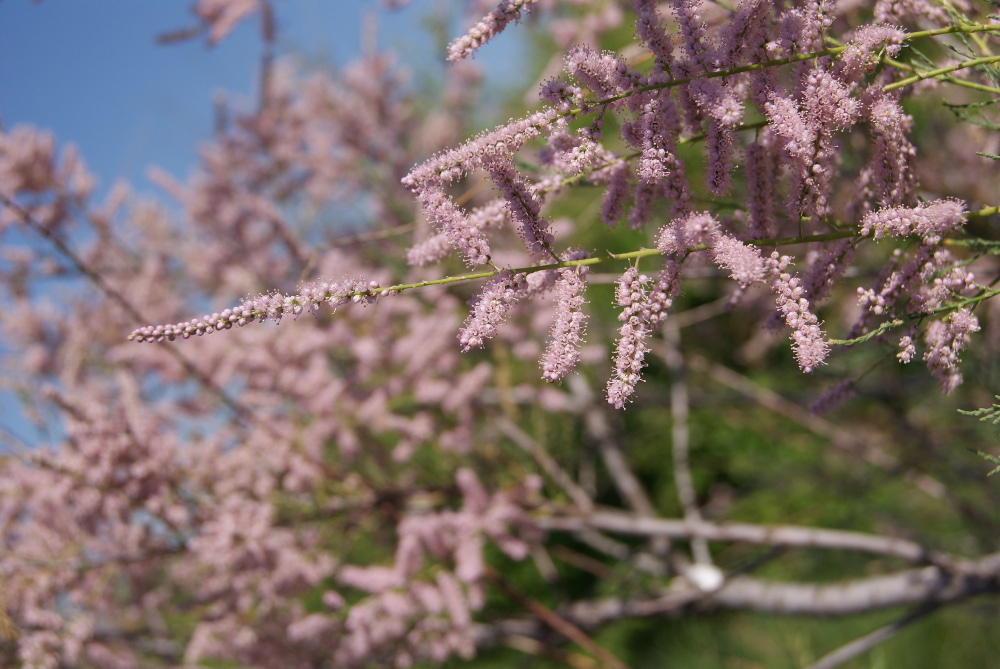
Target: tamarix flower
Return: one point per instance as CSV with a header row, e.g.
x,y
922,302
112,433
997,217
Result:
x,y
490,309
489,27
632,294
931,220
273,306
563,350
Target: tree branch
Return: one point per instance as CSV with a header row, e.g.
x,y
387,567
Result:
x,y
777,535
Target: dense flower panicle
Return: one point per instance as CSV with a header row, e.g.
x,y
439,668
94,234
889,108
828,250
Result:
x,y
744,38
945,340
930,220
761,183
489,27
786,121
468,238
806,127
827,102
563,350
616,194
801,29
858,59
484,149
561,95
650,30
719,105
808,340
694,37
429,250
744,262
490,309
274,306
686,232
631,348
890,170
659,126
604,73
476,222
719,146
524,207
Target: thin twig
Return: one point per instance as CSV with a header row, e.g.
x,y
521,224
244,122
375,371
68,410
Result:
x,y
596,422
547,463
556,622
869,641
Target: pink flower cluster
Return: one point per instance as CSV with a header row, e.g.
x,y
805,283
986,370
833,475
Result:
x,y
566,337
808,340
630,351
408,616
273,306
931,220
945,340
489,27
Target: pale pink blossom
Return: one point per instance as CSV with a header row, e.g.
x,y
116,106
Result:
x,y
489,27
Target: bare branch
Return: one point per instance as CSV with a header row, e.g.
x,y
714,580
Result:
x,y
624,479
547,463
557,622
777,535
680,437
927,587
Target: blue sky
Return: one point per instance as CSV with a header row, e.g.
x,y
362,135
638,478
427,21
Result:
x,y
92,73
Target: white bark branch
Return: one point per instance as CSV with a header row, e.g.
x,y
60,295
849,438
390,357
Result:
x,y
924,587
775,535
680,437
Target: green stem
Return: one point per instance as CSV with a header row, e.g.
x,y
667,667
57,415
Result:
x,y
980,213
645,253
920,76
888,325
966,302
951,80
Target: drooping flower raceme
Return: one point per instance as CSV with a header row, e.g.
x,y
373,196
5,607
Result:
x,y
489,27
273,306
